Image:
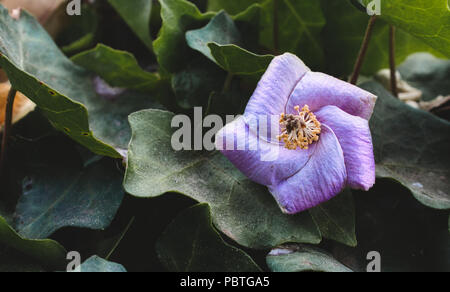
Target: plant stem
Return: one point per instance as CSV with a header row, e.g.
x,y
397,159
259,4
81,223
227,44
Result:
x,y
228,81
276,28
7,128
116,244
394,88
363,50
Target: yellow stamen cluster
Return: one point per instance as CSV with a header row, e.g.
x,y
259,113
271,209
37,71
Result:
x,y
299,130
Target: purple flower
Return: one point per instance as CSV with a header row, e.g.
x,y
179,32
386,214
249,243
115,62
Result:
x,y
323,143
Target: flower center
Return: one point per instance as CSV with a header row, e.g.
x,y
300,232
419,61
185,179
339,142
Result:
x,y
299,130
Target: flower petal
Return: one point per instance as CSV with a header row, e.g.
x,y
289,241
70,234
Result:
x,y
320,179
318,90
262,162
276,85
354,136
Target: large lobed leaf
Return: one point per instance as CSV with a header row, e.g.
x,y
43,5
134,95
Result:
x,y
243,210
428,20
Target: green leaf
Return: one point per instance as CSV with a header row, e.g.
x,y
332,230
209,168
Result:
x,y
46,251
38,69
219,41
221,30
242,210
249,22
239,61
344,33
96,264
302,258
427,73
231,6
336,218
300,26
191,244
58,191
427,20
136,14
178,16
118,68
411,146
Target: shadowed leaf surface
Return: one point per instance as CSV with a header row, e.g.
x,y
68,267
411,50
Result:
x,y
14,261
136,14
191,244
45,251
409,236
193,85
300,26
58,191
411,146
336,218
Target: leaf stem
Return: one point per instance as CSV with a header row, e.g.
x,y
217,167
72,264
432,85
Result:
x,y
276,27
7,128
363,50
228,81
394,88
116,244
